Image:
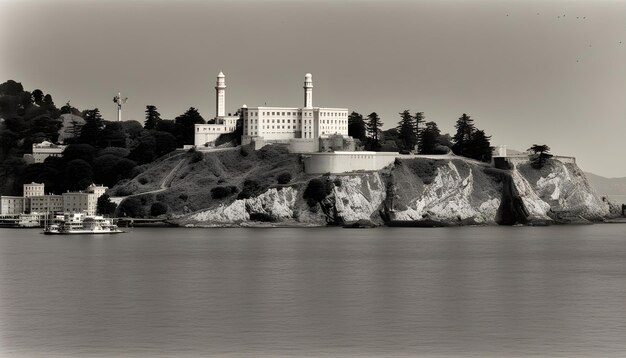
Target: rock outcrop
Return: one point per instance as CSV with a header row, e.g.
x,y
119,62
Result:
x,y
422,191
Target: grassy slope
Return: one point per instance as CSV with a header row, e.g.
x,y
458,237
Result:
x,y
151,177
191,187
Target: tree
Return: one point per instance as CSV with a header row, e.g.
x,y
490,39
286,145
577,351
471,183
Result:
x,y
373,130
94,124
47,100
78,175
11,88
539,156
152,117
112,135
356,126
165,142
464,131
158,208
429,140
105,206
407,130
419,120
187,120
37,96
480,147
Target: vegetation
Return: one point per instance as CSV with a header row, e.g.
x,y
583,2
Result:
x,y
471,142
158,208
109,151
356,127
105,206
152,117
283,178
373,126
541,153
317,190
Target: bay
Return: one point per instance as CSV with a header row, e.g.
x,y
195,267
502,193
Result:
x,y
328,292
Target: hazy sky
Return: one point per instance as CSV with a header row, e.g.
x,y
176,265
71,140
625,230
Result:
x,y
528,72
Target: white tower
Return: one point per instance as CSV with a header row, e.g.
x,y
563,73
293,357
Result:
x,y
308,91
220,95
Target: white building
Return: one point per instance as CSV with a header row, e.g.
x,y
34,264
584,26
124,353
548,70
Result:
x,y
33,189
289,123
83,202
205,135
45,149
11,205
301,127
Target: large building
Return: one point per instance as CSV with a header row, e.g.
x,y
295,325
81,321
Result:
x,y
301,127
34,201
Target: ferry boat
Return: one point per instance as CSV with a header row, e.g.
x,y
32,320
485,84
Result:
x,y
79,223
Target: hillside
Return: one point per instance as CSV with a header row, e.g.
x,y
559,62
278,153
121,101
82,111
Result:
x,y
607,186
229,173
418,191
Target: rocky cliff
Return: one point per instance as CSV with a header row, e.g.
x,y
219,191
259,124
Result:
x,y
423,192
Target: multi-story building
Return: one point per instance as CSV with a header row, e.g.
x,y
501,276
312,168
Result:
x,y
33,189
11,205
284,123
79,202
305,124
45,204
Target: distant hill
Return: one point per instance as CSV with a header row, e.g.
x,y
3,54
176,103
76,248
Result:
x,y
607,186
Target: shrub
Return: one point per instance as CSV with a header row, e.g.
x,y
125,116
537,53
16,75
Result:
x,y
143,180
183,197
250,188
158,208
220,192
196,157
131,207
317,190
337,182
284,178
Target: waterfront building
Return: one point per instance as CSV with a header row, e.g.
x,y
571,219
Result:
x,y
45,204
11,205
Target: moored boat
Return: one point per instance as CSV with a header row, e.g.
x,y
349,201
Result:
x,y
79,223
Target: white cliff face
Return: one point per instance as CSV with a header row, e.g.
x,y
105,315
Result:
x,y
448,198
458,192
537,208
358,196
276,203
564,188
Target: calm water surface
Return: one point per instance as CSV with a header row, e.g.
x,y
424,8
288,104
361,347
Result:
x,y
480,291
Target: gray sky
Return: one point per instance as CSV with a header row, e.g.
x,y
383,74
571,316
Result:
x,y
542,74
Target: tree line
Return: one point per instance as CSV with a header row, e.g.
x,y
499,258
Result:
x,y
414,134
98,150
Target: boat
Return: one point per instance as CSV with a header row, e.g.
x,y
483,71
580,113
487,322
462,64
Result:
x,y
80,223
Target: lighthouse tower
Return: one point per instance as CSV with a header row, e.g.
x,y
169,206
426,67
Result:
x,y
308,91
220,95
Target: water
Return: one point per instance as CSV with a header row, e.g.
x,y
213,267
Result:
x,y
479,291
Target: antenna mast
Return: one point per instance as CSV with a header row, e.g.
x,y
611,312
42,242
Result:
x,y
120,101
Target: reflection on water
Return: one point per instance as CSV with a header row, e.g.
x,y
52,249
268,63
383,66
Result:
x,y
484,291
